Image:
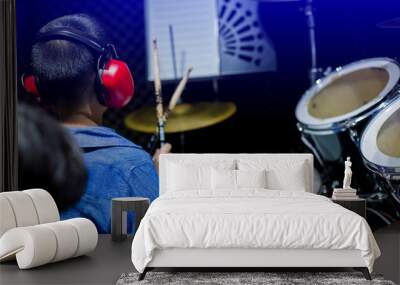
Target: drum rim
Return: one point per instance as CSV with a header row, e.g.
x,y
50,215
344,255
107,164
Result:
x,y
339,122
392,173
368,146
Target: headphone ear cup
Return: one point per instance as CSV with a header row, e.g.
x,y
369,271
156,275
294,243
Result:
x,y
30,85
117,84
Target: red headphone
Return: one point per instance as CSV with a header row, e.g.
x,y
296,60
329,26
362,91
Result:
x,y
114,80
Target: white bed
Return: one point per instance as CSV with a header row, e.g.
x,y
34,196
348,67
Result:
x,y
282,224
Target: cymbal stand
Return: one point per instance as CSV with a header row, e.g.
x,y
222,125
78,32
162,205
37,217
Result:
x,y
315,72
174,64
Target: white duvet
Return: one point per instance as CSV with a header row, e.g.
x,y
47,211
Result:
x,y
250,219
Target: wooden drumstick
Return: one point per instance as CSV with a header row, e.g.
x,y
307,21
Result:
x,y
178,93
172,103
157,80
157,92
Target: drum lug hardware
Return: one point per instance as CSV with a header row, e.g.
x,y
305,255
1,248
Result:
x,y
300,127
354,136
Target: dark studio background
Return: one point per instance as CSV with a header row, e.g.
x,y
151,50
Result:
x,y
265,122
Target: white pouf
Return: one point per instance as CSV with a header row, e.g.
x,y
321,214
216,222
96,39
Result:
x,y
40,244
26,208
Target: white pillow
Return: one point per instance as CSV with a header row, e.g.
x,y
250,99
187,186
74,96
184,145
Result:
x,y
188,175
183,178
251,178
225,179
285,174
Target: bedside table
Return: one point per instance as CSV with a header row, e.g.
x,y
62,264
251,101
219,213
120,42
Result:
x,y
357,205
119,209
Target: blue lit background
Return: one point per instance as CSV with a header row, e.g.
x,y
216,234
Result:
x,y
346,31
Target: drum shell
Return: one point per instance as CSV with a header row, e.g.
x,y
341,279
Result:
x,y
333,138
376,159
342,121
333,150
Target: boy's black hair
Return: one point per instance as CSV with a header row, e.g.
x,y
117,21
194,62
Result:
x,y
63,67
49,158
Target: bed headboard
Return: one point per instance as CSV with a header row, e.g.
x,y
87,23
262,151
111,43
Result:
x,y
297,157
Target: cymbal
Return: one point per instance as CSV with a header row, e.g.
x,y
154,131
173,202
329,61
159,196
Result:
x,y
184,117
393,23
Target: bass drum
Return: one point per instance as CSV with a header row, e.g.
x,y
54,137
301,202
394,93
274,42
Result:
x,y
380,149
332,114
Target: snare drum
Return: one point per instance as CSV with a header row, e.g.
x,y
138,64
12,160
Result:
x,y
338,106
380,142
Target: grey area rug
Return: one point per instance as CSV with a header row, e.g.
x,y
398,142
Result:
x,y
269,278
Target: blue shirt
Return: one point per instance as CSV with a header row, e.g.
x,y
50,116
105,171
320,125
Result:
x,y
116,168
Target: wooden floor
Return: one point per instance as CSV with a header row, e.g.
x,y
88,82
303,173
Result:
x,y
103,266
106,264
388,264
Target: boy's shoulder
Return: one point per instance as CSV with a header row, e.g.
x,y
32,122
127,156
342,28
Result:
x,y
98,137
105,145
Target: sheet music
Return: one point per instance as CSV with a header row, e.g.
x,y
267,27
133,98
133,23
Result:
x,y
195,32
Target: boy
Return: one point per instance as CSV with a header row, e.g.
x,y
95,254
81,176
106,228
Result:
x,y
66,71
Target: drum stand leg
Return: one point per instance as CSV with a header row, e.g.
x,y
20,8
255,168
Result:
x,y
312,148
382,217
395,195
182,141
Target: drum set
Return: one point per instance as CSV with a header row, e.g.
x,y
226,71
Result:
x,y
355,111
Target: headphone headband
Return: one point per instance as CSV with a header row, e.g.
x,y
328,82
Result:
x,y
114,82
62,33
